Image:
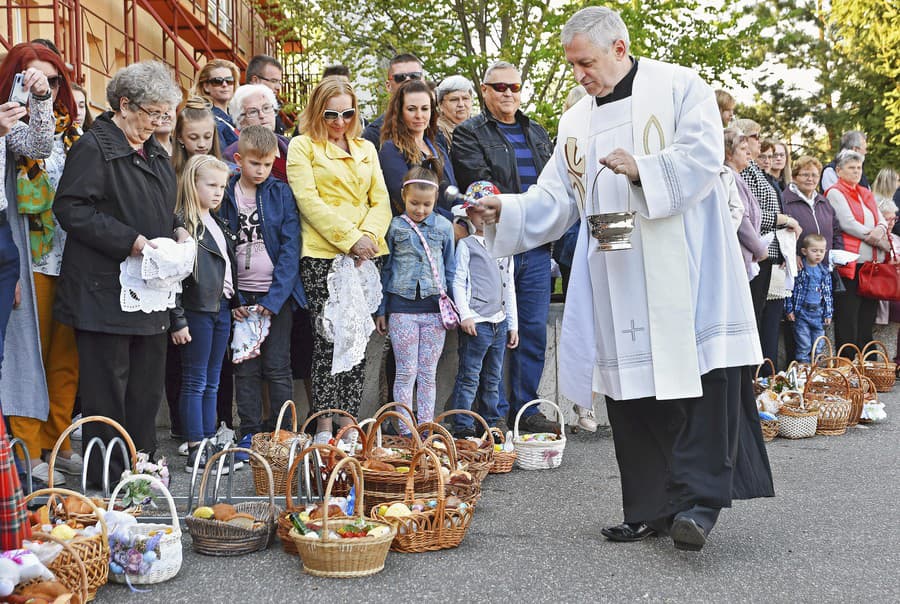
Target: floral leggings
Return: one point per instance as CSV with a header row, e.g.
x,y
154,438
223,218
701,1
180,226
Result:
x,y
418,340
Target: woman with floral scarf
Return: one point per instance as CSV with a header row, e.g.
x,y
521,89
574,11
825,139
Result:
x,y
40,381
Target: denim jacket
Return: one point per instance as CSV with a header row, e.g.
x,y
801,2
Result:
x,y
801,287
281,234
406,271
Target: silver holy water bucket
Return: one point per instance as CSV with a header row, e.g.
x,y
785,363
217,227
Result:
x,y
612,230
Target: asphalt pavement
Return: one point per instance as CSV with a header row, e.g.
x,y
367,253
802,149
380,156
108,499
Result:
x,y
830,535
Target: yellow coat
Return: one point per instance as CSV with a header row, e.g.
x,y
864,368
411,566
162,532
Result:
x,y
341,196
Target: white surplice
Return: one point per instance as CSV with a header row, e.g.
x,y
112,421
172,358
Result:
x,y
649,321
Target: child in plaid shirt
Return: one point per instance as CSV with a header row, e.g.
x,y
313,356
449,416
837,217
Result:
x,y
811,305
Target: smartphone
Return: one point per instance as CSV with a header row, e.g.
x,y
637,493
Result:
x,y
19,94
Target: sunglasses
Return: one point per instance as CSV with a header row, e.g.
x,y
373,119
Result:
x,y
55,81
331,115
220,81
503,87
399,78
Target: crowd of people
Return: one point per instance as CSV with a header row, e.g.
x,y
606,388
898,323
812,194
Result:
x,y
281,211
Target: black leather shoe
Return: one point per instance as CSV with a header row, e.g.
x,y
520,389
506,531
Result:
x,y
628,532
687,534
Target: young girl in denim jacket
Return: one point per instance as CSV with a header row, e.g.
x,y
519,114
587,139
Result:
x,y
409,312
201,319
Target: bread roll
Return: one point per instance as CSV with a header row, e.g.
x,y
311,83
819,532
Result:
x,y
223,512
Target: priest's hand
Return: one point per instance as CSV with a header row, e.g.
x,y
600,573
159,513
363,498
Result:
x,y
487,208
621,161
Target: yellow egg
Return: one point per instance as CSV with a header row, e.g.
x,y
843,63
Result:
x,y
403,469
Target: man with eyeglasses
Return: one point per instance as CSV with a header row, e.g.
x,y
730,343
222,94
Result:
x,y
256,105
267,71
854,140
502,145
401,68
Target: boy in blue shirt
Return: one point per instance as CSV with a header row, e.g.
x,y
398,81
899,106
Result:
x,y
811,305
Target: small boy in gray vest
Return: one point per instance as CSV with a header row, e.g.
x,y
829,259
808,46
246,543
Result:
x,y
484,292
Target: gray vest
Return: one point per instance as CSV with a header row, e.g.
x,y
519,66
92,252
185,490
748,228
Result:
x,y
484,279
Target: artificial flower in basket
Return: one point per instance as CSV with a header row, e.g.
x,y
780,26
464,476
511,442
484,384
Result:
x,y
142,492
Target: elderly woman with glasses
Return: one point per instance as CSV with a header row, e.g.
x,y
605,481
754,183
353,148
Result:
x,y
344,209
256,105
865,232
454,98
217,83
116,194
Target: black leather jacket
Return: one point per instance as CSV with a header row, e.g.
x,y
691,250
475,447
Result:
x,y
205,294
481,152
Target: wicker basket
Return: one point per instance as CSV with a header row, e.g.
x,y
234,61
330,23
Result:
x,y
344,558
383,486
855,380
168,553
758,386
284,525
73,560
276,451
537,455
770,428
797,421
479,461
883,372
433,528
812,351
92,551
829,390
215,538
503,460
470,493
308,424
395,441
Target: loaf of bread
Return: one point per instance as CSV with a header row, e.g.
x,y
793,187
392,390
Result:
x,y
223,512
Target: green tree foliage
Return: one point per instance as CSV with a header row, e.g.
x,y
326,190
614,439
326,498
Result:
x,y
465,36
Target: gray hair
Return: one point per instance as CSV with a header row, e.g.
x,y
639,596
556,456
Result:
x,y
498,65
144,83
236,106
454,83
601,25
845,157
733,139
852,139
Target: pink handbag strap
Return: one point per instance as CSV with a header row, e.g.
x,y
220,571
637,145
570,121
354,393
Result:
x,y
434,271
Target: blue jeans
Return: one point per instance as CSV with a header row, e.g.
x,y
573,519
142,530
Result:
x,y
273,365
526,363
201,366
9,276
480,356
809,324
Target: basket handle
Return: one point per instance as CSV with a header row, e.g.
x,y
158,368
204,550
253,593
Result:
x,y
277,429
393,406
347,428
559,414
502,437
815,347
875,345
87,420
823,370
257,457
292,471
38,535
756,376
439,432
410,490
173,512
376,425
876,351
318,414
851,346
476,416
51,491
355,470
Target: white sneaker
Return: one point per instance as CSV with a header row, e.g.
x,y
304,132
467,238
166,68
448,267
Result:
x,y
586,419
76,433
42,472
73,465
322,438
224,436
183,449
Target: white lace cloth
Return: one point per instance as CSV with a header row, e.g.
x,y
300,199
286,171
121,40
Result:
x,y
249,336
151,281
353,295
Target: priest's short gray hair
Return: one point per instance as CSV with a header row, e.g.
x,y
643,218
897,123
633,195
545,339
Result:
x,y
143,83
601,25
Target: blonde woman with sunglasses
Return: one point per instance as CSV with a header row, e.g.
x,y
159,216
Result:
x,y
217,83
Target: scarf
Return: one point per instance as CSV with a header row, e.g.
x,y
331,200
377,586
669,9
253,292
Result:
x,y
856,197
34,193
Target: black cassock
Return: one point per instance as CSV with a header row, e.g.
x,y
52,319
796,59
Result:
x,y
705,451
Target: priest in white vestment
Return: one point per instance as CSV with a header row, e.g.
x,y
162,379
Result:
x,y
665,330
